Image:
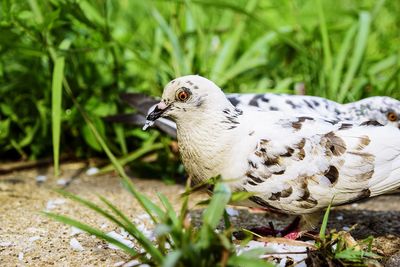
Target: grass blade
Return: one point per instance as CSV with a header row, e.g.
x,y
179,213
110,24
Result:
x,y
91,13
177,52
169,209
250,258
147,205
56,102
358,52
135,232
131,157
172,258
325,39
131,228
92,231
120,134
230,47
341,58
91,206
215,210
324,224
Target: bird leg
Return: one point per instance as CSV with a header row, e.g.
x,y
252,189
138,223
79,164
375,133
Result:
x,y
292,231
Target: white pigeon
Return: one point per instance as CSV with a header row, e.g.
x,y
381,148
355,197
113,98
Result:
x,y
292,164
382,109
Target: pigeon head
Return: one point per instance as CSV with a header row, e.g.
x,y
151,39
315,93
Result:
x,y
186,97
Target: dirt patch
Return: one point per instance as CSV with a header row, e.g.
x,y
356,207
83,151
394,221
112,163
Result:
x,y
27,238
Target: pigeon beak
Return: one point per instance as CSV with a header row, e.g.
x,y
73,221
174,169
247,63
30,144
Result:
x,y
157,112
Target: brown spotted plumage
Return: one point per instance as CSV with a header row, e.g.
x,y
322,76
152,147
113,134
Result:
x,y
292,164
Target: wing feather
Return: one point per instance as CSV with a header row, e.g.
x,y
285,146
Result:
x,y
308,162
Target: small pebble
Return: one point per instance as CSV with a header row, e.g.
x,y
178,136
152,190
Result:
x,y
92,171
144,216
41,178
75,231
62,182
120,238
74,243
132,263
51,204
346,228
34,238
232,212
340,218
5,244
20,256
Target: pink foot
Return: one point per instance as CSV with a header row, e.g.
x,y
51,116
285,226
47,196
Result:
x,y
290,232
293,235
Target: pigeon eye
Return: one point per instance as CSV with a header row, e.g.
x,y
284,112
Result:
x,y
182,95
392,116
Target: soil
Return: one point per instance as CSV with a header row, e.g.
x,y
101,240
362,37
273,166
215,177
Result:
x,y
28,238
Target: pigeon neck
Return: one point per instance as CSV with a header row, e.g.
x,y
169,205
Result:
x,y
204,140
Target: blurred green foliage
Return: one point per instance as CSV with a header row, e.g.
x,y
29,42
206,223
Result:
x,y
344,50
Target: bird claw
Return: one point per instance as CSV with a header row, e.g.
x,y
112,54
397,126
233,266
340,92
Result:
x,y
290,232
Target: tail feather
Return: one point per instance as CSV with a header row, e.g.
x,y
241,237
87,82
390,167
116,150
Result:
x,y
141,102
386,149
390,184
165,125
131,118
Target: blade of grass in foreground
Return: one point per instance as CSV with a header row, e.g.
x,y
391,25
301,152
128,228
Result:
x,y
56,102
169,209
132,156
172,258
324,224
92,231
125,223
250,259
213,214
215,210
147,205
91,206
135,232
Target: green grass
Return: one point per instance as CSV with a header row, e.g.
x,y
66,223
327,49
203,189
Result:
x,y
339,248
178,241
342,50
63,64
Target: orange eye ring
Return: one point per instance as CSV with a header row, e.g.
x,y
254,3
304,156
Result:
x,y
392,116
183,95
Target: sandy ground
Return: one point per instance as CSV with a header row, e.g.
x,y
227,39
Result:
x,y
27,238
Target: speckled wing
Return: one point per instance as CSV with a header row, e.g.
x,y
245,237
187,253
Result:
x,y
290,104
372,108
385,110
311,162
